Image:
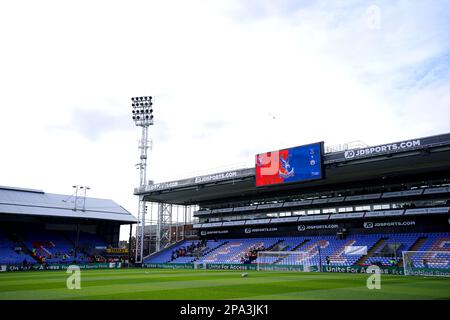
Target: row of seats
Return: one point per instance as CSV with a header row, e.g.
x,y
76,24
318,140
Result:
x,y
233,251
329,246
435,242
317,249
53,246
404,243
10,256
166,255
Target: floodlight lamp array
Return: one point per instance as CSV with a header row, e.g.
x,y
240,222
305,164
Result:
x,y
142,112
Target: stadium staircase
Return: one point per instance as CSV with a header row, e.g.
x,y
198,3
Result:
x,y
14,237
21,241
43,249
300,245
210,251
67,237
292,249
371,251
213,249
82,249
8,241
415,247
166,249
274,245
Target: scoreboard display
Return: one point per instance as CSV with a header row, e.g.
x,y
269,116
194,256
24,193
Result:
x,y
291,165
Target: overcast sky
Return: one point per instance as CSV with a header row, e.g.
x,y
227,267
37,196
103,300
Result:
x,y
229,79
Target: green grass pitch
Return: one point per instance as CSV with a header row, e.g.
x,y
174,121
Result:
x,y
212,284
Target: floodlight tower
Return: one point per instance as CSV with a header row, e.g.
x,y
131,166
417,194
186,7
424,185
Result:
x,y
142,114
77,196
78,190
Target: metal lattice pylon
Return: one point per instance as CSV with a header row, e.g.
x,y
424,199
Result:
x,y
164,234
140,230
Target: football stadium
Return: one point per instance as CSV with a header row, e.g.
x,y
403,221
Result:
x,y
364,223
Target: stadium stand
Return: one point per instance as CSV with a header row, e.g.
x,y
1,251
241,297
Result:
x,y
48,244
329,246
184,255
54,246
12,253
435,242
334,248
390,252
235,249
231,250
41,228
87,243
387,199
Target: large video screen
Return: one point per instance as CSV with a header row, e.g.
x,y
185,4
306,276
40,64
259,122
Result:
x,y
289,165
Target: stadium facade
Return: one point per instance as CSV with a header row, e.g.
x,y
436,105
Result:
x,y
357,184
346,209
39,228
393,191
